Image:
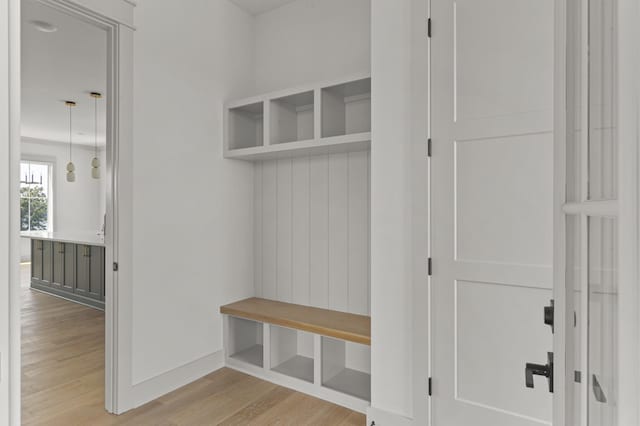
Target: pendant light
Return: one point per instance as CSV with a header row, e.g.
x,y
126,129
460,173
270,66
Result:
x,y
71,175
95,162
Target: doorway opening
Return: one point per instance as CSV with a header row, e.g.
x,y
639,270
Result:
x,y
67,175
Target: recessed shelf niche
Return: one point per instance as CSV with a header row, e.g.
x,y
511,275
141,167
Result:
x,y
346,108
246,126
292,353
322,118
292,118
346,367
245,341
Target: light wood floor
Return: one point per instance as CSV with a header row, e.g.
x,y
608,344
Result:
x,y
63,381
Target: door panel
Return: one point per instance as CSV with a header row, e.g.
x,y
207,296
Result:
x,y
69,266
58,264
36,260
492,209
83,270
96,285
47,262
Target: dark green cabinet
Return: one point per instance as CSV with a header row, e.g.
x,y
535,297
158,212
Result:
x,y
90,269
73,271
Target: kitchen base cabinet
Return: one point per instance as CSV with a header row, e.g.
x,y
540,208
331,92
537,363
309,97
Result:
x,y
70,270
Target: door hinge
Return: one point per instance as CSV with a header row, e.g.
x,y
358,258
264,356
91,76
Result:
x,y
429,27
115,266
430,391
429,267
429,147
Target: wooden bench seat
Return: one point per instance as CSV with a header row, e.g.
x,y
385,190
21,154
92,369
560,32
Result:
x,y
339,325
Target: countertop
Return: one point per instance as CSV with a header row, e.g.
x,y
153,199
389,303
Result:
x,y
88,238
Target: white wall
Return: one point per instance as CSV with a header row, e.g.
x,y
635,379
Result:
x,y
77,206
307,41
391,208
192,210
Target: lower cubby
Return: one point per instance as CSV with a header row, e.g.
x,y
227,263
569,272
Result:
x,y
346,367
291,353
323,353
245,341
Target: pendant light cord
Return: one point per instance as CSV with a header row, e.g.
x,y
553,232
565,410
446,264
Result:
x,y
70,135
95,127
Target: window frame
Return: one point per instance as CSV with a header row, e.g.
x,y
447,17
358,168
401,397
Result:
x,y
51,164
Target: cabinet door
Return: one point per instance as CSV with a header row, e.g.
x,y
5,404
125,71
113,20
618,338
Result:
x,y
47,262
83,270
36,259
58,264
96,285
69,266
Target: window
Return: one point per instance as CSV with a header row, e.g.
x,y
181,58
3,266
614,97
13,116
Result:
x,y
35,196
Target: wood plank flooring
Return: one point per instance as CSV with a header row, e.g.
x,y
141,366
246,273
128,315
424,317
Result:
x,y
63,380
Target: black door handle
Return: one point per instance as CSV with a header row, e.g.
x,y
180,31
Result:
x,y
548,315
598,393
540,370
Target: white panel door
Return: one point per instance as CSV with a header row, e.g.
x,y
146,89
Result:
x,y
492,209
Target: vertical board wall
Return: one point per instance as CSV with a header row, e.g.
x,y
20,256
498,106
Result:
x,y
312,239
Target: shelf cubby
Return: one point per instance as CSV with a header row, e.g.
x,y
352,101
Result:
x,y
346,108
324,118
245,341
292,353
292,118
346,367
246,126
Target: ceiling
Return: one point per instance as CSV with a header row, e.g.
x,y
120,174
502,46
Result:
x,y
66,64
256,7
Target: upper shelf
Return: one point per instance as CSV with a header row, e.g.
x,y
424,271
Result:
x,y
323,118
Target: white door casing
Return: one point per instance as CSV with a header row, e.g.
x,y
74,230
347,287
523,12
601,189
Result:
x,y
588,234
492,209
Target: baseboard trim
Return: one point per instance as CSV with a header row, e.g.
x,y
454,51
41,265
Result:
x,y
158,386
385,418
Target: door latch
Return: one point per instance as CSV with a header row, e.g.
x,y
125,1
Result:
x,y
540,370
548,315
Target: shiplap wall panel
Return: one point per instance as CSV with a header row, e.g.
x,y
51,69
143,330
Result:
x,y
319,235
338,232
269,228
359,222
283,232
312,225
301,230
257,223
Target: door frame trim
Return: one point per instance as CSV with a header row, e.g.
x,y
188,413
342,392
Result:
x,y
119,129
626,209
629,215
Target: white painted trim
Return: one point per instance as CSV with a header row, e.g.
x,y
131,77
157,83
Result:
x,y
14,358
385,418
295,90
118,12
155,387
592,208
628,69
108,16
